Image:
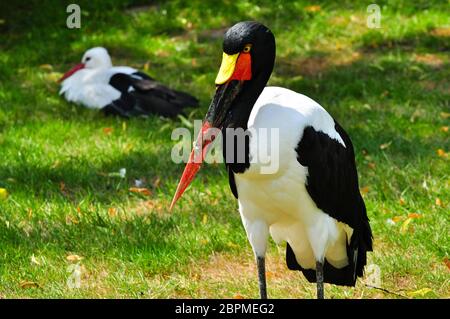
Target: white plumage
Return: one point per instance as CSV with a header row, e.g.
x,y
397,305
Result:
x,y
311,233
90,85
96,84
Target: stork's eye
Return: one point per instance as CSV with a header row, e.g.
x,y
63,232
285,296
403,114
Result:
x,y
247,48
87,59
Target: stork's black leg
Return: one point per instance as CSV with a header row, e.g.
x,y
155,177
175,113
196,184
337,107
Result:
x,y
261,262
319,279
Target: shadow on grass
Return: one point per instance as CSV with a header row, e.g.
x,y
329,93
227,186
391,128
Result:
x,y
430,41
75,180
381,69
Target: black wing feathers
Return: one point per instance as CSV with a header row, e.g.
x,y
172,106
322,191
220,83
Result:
x,y
142,95
332,183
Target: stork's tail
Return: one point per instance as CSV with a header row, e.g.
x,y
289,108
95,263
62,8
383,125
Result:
x,y
360,244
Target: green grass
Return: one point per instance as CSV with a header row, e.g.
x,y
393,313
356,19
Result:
x,y
388,87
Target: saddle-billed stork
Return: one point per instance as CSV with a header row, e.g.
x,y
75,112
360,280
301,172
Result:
x,y
120,90
312,201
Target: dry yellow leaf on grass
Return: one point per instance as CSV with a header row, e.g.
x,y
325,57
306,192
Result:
x,y
196,277
3,193
314,8
232,245
414,215
74,258
128,147
371,165
364,190
419,293
108,130
438,202
441,32
46,67
444,129
447,263
269,274
204,219
238,296
445,115
405,226
140,190
396,219
385,145
441,153
29,284
402,201
71,220
162,53
112,211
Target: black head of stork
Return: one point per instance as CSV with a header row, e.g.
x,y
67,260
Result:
x,y
247,63
95,58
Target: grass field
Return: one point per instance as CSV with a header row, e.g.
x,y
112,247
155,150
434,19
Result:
x,y
68,210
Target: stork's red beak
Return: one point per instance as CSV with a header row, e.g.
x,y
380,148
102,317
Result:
x,y
205,137
71,71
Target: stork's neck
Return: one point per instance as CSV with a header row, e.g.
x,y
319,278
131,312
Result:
x,y
105,63
101,68
243,105
241,109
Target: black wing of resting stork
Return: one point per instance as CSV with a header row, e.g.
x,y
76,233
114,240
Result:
x,y
142,95
121,90
305,191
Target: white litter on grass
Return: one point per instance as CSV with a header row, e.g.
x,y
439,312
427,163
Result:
x,y
390,221
139,183
121,173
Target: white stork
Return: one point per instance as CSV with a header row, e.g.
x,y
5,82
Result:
x,y
312,201
120,90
